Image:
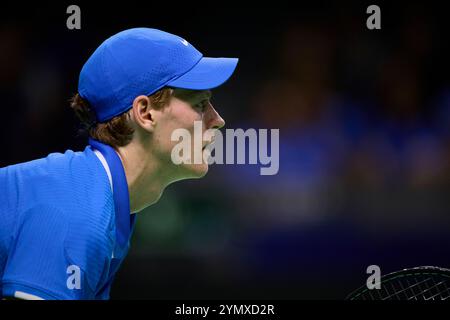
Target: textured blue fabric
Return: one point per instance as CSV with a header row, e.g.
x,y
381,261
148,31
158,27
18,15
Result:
x,y
121,197
140,61
58,212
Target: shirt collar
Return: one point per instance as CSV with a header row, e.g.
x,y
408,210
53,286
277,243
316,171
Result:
x,y
105,165
124,220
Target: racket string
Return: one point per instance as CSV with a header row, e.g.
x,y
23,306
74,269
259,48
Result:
x,y
410,287
421,283
419,290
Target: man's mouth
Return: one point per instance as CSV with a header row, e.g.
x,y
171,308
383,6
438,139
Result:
x,y
207,144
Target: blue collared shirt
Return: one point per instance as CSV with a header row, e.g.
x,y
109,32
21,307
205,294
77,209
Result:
x,y
63,230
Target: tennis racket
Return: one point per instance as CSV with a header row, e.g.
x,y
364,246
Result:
x,y
420,283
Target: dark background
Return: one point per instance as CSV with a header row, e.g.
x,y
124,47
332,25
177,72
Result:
x,y
364,119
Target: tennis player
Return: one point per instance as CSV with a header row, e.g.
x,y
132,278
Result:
x,y
66,220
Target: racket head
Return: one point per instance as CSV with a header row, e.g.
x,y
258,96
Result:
x,y
419,283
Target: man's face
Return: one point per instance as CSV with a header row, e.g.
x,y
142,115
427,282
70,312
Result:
x,y
184,109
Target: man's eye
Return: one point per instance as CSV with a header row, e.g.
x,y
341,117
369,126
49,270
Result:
x,y
202,105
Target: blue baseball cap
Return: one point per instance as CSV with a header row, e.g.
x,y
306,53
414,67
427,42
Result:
x,y
140,61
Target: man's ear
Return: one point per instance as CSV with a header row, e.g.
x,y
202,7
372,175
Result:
x,y
143,113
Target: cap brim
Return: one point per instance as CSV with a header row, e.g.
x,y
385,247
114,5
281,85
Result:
x,y
208,73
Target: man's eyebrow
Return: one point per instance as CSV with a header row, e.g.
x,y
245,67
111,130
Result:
x,y
204,94
193,94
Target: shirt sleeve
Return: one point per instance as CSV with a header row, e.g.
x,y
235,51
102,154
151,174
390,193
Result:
x,y
38,263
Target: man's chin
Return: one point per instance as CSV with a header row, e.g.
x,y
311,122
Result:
x,y
200,170
195,171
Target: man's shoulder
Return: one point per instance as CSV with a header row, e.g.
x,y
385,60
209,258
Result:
x,y
72,182
57,175
66,192
58,164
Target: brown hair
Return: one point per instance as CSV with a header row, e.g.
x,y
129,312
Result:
x,y
116,132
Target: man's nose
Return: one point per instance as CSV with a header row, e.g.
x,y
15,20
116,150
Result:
x,y
213,118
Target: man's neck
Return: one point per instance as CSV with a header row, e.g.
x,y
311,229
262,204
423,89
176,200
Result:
x,y
145,176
